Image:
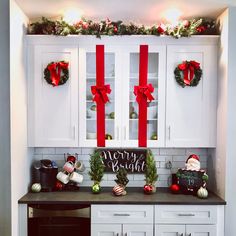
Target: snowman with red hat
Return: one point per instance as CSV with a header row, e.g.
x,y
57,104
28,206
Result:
x,y
193,163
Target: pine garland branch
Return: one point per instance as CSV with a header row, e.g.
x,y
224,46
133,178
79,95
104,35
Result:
x,y
185,28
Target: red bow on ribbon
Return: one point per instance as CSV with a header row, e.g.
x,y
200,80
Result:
x,y
55,71
100,93
144,91
188,68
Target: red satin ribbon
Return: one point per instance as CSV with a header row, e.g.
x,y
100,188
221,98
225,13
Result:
x,y
188,68
55,71
100,92
144,92
143,95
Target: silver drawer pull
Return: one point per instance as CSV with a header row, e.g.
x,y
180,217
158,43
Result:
x,y
121,214
186,214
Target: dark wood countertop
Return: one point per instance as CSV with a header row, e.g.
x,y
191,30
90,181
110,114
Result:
x,y
134,196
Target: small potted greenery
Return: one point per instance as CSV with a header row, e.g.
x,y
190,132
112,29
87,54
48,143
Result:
x,y
96,170
151,175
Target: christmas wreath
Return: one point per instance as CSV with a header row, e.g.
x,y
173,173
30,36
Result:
x,y
56,73
188,73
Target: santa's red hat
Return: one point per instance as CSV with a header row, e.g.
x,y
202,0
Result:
x,y
194,156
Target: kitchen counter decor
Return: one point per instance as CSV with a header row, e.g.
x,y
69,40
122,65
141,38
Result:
x,y
70,177
151,175
192,179
96,171
121,182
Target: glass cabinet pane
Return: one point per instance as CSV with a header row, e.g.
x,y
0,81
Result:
x,y
152,110
91,110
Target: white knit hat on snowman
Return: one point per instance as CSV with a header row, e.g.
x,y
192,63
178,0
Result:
x,y
193,163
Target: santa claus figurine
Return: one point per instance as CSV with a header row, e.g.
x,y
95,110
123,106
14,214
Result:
x,y
193,163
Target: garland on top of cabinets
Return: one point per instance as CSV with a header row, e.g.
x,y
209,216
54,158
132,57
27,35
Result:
x,y
184,28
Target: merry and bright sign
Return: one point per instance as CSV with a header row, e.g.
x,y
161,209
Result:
x,y
133,160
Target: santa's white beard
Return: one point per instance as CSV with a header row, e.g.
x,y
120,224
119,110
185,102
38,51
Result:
x,y
193,164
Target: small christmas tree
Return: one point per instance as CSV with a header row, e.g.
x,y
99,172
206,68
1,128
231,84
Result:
x,y
96,170
122,177
151,175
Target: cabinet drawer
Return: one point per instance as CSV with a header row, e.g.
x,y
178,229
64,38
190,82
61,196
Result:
x,y
186,214
122,214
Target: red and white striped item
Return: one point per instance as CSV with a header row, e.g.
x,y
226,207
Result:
x,y
118,190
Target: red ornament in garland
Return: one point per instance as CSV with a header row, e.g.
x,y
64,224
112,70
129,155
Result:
x,y
188,73
175,188
56,73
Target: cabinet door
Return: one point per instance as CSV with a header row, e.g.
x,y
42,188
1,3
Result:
x,y
191,111
52,111
88,114
200,230
169,230
106,230
156,108
138,230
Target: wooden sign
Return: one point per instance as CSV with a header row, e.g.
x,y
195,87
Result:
x,y
190,180
133,160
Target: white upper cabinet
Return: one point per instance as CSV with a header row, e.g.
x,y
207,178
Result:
x,y
88,111
121,113
191,111
52,111
65,116
130,107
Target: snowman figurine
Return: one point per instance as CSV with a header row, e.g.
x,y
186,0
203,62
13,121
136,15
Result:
x,y
193,163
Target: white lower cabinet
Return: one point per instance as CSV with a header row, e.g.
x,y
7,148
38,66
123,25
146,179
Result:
x,y
157,220
106,230
169,230
200,230
121,230
185,230
122,220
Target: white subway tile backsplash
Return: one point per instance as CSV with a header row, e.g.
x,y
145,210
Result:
x,y
172,151
68,150
44,150
197,151
177,156
87,151
155,151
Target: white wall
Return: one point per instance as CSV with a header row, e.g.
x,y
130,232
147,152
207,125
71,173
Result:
x,y
5,171
20,154
223,161
217,158
230,190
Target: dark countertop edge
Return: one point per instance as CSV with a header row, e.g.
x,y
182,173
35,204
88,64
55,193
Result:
x,y
120,203
212,200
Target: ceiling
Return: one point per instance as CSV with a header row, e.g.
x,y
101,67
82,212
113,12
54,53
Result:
x,y
139,11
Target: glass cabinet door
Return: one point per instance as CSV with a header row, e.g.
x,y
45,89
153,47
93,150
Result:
x,y
155,109
90,111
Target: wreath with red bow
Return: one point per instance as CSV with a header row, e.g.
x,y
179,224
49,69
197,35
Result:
x,y
56,73
188,73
